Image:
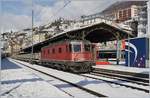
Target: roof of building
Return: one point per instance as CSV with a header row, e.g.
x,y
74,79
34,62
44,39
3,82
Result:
x,y
100,32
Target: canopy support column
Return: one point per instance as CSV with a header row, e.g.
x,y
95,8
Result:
x,y
118,49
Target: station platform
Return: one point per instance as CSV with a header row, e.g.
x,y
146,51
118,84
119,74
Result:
x,y
17,82
122,68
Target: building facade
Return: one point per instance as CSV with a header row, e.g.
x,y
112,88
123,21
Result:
x,y
128,11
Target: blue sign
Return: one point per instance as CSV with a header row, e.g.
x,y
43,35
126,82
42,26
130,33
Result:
x,y
136,52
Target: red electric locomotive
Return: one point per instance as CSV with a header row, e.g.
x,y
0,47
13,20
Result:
x,y
75,56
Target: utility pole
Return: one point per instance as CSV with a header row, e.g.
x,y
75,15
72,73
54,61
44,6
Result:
x,y
39,35
128,51
148,35
32,34
0,37
118,48
118,51
148,20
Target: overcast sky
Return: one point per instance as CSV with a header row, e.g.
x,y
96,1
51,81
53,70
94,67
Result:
x,y
16,14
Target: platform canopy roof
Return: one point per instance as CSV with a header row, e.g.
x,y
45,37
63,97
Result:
x,y
100,32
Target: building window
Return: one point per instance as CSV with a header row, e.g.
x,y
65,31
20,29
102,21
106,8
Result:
x,y
124,14
129,13
120,15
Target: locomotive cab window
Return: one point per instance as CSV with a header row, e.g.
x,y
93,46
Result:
x,y
70,48
87,47
77,48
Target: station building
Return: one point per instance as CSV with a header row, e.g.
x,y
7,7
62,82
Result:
x,y
121,12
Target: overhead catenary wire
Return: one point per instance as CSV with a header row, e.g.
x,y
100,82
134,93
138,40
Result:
x,y
66,4
59,10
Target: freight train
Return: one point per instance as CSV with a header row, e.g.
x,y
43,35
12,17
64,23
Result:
x,y
74,56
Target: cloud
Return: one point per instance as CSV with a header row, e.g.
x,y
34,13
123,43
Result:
x,y
46,14
15,22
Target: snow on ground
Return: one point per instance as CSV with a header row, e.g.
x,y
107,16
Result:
x,y
124,68
17,82
108,89
63,86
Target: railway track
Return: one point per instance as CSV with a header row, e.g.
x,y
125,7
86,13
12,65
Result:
x,y
75,85
115,82
138,78
120,77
